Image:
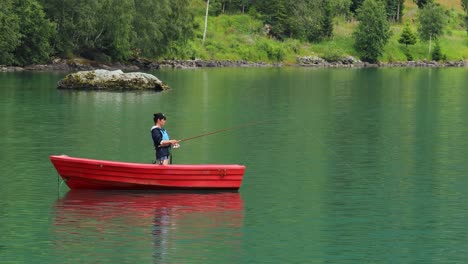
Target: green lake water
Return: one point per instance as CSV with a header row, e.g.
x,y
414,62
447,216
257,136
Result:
x,y
348,166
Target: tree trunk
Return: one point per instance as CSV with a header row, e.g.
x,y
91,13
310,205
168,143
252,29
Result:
x,y
430,43
206,21
398,13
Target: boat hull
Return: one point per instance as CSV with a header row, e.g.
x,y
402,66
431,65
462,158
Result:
x,y
79,173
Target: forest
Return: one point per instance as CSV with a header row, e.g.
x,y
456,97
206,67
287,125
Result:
x,y
36,31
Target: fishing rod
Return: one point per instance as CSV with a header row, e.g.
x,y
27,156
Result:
x,y
223,130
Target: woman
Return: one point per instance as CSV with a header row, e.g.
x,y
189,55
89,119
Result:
x,y
162,143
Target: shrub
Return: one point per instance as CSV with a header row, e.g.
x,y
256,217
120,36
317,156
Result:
x,y
407,36
437,53
409,56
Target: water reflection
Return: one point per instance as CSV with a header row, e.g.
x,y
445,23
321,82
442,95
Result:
x,y
137,227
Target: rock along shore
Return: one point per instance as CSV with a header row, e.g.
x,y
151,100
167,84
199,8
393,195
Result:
x,y
145,64
111,80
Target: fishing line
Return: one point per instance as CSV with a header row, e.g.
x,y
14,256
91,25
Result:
x,y
384,137
215,132
59,185
335,154
224,130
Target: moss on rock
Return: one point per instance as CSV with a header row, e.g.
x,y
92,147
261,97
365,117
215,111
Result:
x,y
111,80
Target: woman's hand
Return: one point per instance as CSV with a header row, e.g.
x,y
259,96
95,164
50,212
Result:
x,y
175,143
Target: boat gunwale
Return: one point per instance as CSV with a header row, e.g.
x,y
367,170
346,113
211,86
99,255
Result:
x,y
65,158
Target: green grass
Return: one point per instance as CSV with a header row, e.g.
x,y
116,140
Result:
x,y
241,37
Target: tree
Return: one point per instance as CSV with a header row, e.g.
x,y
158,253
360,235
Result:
x,y
230,6
149,26
115,22
407,36
36,33
10,36
431,23
307,20
181,26
373,30
355,5
464,4
78,27
118,29
275,13
239,5
466,22
394,9
206,21
422,3
341,7
302,19
161,27
327,23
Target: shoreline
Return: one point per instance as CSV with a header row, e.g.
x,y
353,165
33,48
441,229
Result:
x,y
71,65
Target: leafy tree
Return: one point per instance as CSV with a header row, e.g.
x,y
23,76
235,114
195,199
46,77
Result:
x,y
394,9
218,7
36,33
95,29
115,22
150,21
230,6
117,29
244,5
422,3
407,36
466,22
464,4
341,7
180,27
431,22
78,27
162,26
307,20
240,5
327,23
299,19
373,30
355,5
302,19
10,36
276,14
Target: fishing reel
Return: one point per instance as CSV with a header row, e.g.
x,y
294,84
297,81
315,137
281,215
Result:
x,y
175,146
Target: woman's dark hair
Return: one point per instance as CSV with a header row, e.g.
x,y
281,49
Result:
x,y
158,116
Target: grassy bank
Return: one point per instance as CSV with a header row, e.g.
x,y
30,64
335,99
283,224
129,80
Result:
x,y
242,37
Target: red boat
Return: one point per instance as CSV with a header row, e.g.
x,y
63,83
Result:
x,y
79,173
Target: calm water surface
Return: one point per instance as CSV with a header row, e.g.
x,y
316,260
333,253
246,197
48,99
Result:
x,y
351,166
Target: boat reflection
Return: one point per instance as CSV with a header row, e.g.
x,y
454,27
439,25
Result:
x,y
159,225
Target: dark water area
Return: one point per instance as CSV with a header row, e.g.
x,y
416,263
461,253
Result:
x,y
347,166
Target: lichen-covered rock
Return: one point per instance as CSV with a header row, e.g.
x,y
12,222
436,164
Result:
x,y
308,60
111,80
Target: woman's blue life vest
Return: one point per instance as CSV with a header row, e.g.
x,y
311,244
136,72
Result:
x,y
159,134
165,136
